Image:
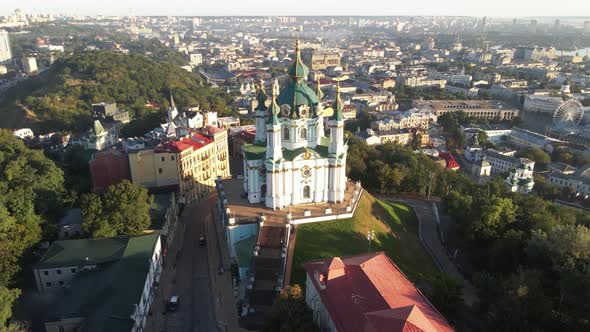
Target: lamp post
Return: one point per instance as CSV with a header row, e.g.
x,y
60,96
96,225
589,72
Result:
x,y
370,237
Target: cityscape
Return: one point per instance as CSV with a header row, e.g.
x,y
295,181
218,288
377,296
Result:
x,y
332,172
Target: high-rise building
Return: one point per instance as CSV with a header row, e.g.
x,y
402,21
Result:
x,y
5,52
587,26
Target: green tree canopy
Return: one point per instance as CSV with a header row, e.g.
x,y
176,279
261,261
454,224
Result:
x,y
122,210
290,313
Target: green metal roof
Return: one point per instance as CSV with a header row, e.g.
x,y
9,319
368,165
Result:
x,y
258,151
298,69
254,151
297,93
83,252
274,110
105,297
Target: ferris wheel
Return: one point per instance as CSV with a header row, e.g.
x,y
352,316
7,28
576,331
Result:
x,y
569,114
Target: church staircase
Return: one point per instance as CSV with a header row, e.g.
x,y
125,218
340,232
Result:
x,y
268,270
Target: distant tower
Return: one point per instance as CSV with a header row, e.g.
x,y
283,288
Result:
x,y
172,112
260,113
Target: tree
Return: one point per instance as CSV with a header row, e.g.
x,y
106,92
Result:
x,y
290,313
540,157
122,210
496,215
7,298
447,295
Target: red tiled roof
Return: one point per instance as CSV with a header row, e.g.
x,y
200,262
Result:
x,y
370,293
195,141
451,162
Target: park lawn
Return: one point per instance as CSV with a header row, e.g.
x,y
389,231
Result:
x,y
396,233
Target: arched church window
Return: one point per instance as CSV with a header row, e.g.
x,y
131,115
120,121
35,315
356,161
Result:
x,y
306,192
303,133
286,133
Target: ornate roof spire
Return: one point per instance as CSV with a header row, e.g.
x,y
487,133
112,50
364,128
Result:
x,y
298,69
318,90
172,105
274,108
338,105
261,97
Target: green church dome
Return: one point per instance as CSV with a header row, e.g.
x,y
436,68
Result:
x,y
298,69
297,92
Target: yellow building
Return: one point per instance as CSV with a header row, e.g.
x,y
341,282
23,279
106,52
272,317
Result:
x,y
154,168
191,163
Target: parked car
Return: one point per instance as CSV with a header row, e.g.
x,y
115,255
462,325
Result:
x,y
202,240
173,303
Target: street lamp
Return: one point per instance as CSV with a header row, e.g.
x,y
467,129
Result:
x,y
370,237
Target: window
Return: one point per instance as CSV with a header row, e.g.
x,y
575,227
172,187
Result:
x,y
306,192
48,284
73,270
171,157
61,283
160,170
58,271
303,133
286,133
46,273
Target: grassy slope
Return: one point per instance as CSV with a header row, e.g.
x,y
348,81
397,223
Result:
x,y
396,233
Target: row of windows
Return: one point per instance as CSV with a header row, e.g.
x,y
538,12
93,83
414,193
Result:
x,y
286,133
48,284
73,270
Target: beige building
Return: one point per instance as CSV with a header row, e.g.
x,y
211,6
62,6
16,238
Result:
x,y
488,109
320,60
191,163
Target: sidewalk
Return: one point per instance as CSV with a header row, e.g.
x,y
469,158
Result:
x,y
429,236
157,321
221,284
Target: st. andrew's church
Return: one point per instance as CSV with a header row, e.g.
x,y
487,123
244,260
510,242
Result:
x,y
291,161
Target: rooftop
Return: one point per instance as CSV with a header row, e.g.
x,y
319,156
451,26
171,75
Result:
x,y
370,293
106,297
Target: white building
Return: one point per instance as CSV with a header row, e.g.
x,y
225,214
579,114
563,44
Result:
x,y
294,163
523,138
24,133
29,64
520,178
542,104
100,138
107,282
411,119
5,51
579,181
195,59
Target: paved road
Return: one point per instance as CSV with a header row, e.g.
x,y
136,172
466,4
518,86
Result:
x,y
195,312
186,275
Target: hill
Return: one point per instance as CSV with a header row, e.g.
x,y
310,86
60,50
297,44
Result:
x,y
60,98
396,233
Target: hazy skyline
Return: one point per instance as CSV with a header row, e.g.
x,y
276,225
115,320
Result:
x,y
497,8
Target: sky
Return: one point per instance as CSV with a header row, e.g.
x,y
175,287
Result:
x,y
490,8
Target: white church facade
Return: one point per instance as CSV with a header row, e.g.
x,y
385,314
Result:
x,y
291,161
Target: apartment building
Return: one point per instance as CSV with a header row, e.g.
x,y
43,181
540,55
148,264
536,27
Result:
x,y
105,283
488,109
191,163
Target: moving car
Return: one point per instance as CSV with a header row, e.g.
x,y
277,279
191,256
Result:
x,y
173,303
